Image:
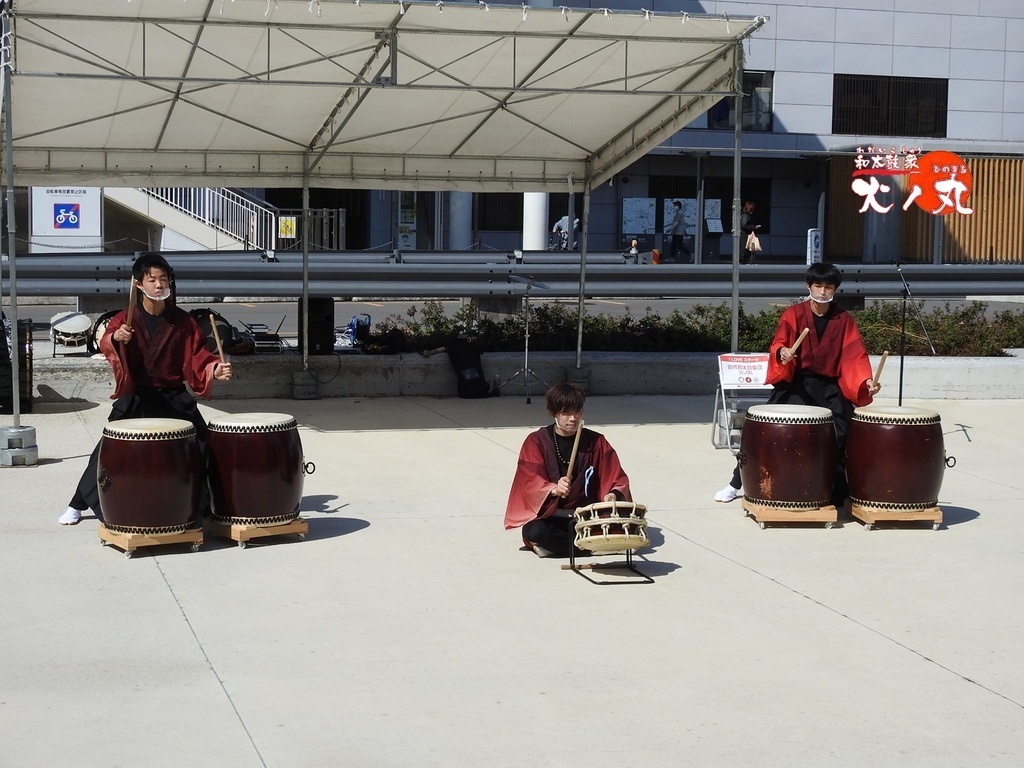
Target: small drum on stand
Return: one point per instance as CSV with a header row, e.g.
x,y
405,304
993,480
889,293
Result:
x,y
71,331
788,458
606,527
895,459
255,469
611,526
149,475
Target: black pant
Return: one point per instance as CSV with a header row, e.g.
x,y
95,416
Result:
x,y
145,404
679,252
554,534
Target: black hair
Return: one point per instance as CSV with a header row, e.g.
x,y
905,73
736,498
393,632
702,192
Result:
x,y
565,398
148,261
824,274
677,204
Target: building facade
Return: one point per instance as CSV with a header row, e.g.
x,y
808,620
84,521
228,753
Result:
x,y
832,87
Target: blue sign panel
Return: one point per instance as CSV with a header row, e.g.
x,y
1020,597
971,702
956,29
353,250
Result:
x,y
66,215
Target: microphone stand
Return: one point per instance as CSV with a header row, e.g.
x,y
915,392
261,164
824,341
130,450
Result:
x,y
526,371
906,294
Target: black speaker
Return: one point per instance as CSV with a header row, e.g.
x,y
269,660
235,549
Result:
x,y
24,347
321,325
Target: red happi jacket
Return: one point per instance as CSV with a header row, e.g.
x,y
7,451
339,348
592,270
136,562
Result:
x,y
839,354
174,355
537,473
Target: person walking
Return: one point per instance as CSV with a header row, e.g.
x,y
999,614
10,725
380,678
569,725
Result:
x,y
677,230
748,228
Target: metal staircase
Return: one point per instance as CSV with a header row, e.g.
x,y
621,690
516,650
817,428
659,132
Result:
x,y
251,223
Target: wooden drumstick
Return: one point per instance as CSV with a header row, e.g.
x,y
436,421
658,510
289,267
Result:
x,y
799,340
216,336
881,365
131,304
575,446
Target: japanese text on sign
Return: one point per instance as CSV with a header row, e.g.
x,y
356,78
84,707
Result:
x,y
939,182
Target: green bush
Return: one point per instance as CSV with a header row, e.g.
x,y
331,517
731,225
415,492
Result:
x,y
960,331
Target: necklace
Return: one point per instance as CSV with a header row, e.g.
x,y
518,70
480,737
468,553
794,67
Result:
x,y
556,437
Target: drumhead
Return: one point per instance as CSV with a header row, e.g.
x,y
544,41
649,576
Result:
x,y
252,422
71,323
149,429
100,328
786,413
895,414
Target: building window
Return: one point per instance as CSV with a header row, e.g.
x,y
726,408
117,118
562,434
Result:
x,y
876,106
757,105
500,211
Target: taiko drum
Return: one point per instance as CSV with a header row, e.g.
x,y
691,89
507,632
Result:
x,y
895,458
255,468
149,475
609,526
788,456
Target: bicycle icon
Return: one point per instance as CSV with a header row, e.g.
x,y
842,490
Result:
x,y
66,216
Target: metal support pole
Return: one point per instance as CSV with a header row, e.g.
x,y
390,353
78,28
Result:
x,y
7,65
736,201
305,262
584,231
698,232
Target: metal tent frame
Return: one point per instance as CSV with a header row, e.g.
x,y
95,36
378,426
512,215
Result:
x,y
350,93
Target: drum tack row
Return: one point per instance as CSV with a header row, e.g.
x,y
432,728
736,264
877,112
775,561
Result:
x,y
895,459
150,476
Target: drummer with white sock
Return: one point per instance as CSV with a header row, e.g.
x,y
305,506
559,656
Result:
x,y
154,349
817,357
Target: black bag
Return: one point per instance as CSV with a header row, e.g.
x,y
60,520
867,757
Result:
x,y
464,356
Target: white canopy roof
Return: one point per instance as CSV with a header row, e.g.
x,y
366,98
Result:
x,y
379,95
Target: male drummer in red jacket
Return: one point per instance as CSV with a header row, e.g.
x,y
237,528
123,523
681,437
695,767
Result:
x,y
830,369
543,497
152,360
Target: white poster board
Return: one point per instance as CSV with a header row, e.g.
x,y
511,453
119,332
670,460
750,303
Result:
x,y
66,218
737,371
638,215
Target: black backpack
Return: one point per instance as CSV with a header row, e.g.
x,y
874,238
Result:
x,y
464,355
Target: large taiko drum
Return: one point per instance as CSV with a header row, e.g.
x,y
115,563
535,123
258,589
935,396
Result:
x,y
611,526
788,456
895,458
100,329
149,475
255,468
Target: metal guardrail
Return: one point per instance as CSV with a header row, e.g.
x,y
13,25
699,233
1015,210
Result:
x,y
220,274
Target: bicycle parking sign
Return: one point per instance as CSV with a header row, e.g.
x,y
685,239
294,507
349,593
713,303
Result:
x,y
67,215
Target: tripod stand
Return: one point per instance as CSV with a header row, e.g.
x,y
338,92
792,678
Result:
x,y
526,372
903,323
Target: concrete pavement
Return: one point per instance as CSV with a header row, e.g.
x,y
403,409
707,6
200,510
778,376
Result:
x,y
408,629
